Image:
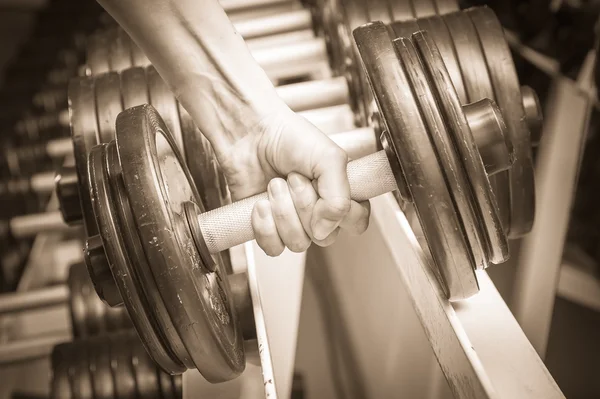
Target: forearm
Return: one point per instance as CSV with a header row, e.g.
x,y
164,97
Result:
x,y
196,50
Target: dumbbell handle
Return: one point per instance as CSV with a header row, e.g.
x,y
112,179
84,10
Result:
x,y
32,224
45,297
30,349
231,225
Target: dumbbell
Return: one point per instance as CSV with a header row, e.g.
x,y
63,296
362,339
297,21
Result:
x,y
114,366
89,315
147,207
92,318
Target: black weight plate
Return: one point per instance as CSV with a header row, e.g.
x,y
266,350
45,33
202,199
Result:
x,y
60,385
84,133
117,254
496,244
122,367
119,50
134,88
76,302
442,140
97,54
508,97
410,141
138,263
144,368
438,31
158,185
478,86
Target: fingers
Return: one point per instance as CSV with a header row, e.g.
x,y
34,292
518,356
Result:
x,y
265,230
334,191
287,220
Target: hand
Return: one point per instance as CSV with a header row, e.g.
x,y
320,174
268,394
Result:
x,y
312,203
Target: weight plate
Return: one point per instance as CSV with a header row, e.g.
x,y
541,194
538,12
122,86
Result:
x,y
76,303
82,109
177,382
443,143
201,161
122,368
410,141
81,381
436,27
60,385
97,54
496,244
100,368
134,88
335,35
94,316
508,97
477,86
138,56
356,14
108,104
402,10
198,302
119,50
165,103
166,385
379,10
138,262
144,368
117,254
423,8
446,6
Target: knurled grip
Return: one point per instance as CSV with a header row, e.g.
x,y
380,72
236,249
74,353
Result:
x,y
231,225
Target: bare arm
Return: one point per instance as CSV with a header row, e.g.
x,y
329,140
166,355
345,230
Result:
x,y
207,64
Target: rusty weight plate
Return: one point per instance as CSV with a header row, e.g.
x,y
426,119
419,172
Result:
x,y
508,96
478,85
409,139
118,253
443,142
488,219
